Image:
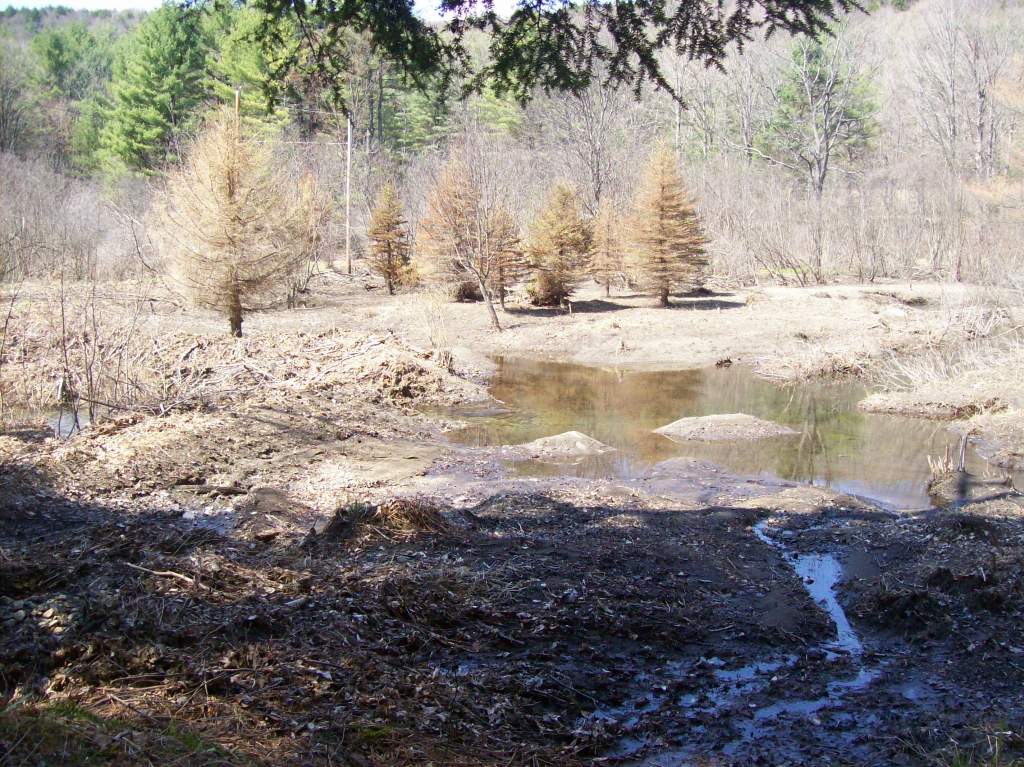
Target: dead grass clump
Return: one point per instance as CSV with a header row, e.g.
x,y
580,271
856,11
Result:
x,y
401,517
403,380
411,516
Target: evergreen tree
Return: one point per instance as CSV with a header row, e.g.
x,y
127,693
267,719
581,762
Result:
x,y
74,62
389,243
560,242
156,88
665,232
238,59
608,248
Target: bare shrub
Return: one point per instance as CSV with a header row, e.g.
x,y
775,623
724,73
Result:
x,y
52,224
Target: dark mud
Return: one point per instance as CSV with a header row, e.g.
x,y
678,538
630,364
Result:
x,y
534,628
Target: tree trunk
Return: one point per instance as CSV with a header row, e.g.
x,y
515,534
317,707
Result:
x,y
490,305
663,298
608,288
235,312
391,286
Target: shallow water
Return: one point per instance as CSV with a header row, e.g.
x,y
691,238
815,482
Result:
x,y
820,575
880,457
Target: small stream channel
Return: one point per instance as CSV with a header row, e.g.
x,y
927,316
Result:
x,y
732,688
883,458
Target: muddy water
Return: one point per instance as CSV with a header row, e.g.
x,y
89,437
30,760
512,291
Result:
x,y
880,457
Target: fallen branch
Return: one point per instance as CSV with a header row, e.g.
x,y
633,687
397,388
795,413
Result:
x,y
168,574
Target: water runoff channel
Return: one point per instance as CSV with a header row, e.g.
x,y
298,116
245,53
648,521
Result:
x,y
880,458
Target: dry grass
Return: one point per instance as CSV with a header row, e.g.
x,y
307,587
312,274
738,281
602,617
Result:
x,y
950,363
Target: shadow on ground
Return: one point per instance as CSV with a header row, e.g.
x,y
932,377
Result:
x,y
509,633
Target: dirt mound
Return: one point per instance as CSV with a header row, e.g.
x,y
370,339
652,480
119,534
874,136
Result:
x,y
567,445
723,427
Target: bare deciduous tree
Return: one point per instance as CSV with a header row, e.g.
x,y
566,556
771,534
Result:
x,y
464,236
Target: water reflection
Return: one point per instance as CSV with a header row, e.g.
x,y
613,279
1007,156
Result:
x,y
878,456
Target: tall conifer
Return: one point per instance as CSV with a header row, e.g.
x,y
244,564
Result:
x,y
156,87
666,236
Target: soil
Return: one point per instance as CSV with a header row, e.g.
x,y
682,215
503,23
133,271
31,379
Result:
x,y
569,445
293,566
728,426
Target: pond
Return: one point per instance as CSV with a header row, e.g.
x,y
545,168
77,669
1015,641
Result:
x,y
880,457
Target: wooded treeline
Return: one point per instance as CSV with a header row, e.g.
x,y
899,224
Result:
x,y
890,149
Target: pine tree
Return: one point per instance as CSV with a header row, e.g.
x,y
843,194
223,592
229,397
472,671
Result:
x,y
236,229
389,243
239,60
608,249
157,86
668,243
464,239
560,242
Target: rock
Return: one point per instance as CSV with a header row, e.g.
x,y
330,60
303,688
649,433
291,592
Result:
x,y
19,616
723,427
568,445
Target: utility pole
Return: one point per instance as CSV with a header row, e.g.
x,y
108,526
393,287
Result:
x,y
348,195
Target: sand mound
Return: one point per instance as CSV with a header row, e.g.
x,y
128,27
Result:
x,y
568,445
723,427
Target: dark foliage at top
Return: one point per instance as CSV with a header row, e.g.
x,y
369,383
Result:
x,y
551,44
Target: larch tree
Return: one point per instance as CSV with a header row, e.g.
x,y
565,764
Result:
x,y
667,240
511,264
560,241
236,227
608,251
463,237
389,240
